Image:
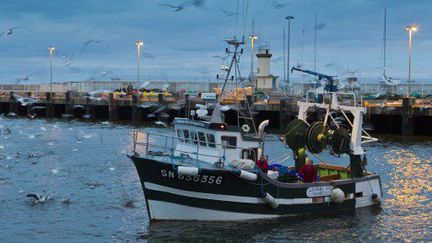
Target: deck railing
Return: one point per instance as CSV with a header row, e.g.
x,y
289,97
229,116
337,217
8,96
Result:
x,y
149,143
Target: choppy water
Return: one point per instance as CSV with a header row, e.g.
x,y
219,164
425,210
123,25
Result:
x,y
87,164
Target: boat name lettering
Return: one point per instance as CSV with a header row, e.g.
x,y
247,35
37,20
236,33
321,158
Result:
x,y
319,191
192,123
197,179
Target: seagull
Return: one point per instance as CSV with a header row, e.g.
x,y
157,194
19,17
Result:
x,y
227,13
32,116
278,5
175,8
38,198
66,201
89,42
161,123
220,57
148,55
10,31
12,114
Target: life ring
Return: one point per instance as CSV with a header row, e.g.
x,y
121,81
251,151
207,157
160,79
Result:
x,y
245,128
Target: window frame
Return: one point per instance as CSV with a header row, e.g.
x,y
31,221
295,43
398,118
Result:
x,y
211,144
186,138
201,142
229,144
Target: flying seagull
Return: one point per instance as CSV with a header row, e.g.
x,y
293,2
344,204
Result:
x,y
38,198
227,13
175,8
278,5
10,31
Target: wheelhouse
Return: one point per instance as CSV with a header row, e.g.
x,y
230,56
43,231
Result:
x,y
209,142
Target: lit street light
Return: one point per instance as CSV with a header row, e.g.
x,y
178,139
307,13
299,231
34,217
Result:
x,y
289,18
139,44
51,50
410,29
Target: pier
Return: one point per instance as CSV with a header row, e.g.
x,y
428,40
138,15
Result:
x,y
408,116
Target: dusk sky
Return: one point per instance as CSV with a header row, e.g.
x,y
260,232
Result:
x,y
183,44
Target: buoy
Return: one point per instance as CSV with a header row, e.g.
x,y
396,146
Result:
x,y
337,196
376,198
246,175
271,201
187,171
245,128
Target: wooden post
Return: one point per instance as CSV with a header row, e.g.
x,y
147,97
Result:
x,y
408,116
13,104
49,106
136,112
68,103
112,108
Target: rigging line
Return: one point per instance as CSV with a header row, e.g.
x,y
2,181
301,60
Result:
x,y
237,14
245,17
316,156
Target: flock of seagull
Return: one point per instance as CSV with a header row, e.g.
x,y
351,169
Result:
x,y
43,197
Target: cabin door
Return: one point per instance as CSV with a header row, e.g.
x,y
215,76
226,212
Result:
x,y
250,154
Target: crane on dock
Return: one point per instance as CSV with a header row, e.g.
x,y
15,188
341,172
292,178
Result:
x,y
330,84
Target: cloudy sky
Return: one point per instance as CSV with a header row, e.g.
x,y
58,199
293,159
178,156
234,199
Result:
x,y
185,44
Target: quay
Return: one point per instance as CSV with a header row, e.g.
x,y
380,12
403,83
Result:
x,y
407,116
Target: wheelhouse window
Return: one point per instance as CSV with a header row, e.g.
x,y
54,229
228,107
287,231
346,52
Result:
x,y
186,136
229,141
211,140
179,135
202,139
193,137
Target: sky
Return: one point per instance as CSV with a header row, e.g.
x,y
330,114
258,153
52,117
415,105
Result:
x,y
95,39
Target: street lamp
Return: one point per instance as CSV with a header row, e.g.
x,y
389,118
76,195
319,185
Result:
x,y
289,18
410,29
139,44
51,50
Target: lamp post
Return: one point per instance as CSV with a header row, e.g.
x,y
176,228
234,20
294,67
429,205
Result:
x,y
51,50
410,29
289,18
139,44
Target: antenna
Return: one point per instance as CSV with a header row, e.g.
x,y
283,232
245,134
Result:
x,y
385,40
315,42
252,38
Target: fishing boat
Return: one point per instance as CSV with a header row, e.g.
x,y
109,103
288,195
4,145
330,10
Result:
x,y
206,170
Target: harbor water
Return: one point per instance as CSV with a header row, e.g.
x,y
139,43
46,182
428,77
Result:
x,y
97,197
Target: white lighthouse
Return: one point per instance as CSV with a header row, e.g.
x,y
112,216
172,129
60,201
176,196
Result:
x,y
264,80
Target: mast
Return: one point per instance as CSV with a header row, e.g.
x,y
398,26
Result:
x,y
252,38
315,42
284,62
385,40
234,67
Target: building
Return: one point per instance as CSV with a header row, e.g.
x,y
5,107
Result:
x,y
264,81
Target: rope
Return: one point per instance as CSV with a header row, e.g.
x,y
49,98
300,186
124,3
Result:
x,y
283,156
316,156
